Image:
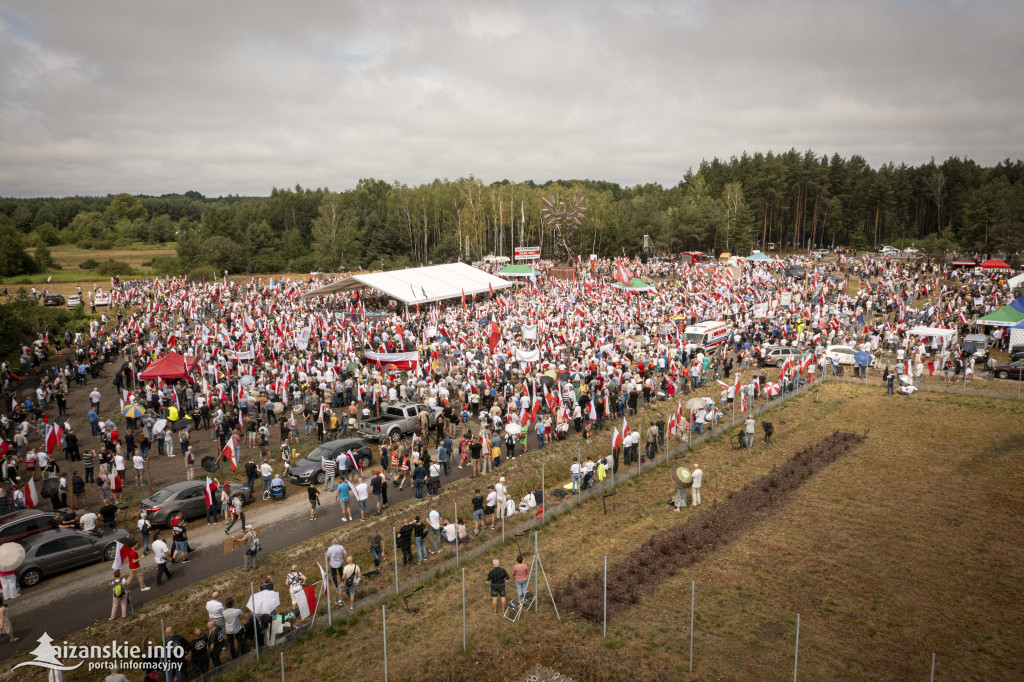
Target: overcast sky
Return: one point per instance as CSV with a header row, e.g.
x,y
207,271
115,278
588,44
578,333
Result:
x,y
239,97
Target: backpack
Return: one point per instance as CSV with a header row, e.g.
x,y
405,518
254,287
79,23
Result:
x,y
146,527
119,588
256,546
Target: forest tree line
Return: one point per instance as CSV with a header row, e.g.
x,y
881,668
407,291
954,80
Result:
x,y
794,200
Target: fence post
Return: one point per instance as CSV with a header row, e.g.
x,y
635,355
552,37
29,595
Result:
x,y
544,496
932,678
463,610
456,534
329,578
384,620
282,666
604,633
693,590
394,540
796,651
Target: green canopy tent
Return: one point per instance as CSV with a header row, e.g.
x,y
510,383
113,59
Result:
x,y
516,271
636,285
1007,316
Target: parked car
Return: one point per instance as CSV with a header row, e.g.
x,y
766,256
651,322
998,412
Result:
x,y
56,551
796,271
820,253
398,420
843,355
74,300
52,300
888,251
307,470
1013,370
24,523
980,342
911,251
776,356
187,498
101,299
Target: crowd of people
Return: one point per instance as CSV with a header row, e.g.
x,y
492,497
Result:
x,y
543,361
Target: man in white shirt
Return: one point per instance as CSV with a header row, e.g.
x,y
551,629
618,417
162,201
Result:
x,y
362,491
160,551
697,475
336,560
214,608
267,473
88,521
434,524
576,475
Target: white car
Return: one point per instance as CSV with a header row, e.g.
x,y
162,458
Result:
x,y
102,299
820,253
889,251
843,355
911,251
74,300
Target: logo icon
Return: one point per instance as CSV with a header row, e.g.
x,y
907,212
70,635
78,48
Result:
x,y
46,656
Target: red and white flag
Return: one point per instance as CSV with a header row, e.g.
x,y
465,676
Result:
x,y
209,492
616,439
31,496
121,553
306,601
229,453
54,436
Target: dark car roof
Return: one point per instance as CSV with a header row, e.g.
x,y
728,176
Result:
x,y
46,535
184,485
345,442
23,514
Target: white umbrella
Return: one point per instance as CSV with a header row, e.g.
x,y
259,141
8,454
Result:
x,y
694,404
907,379
263,602
11,556
159,425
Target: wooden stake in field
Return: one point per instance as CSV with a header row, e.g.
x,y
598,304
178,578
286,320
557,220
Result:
x,y
604,631
457,535
328,579
463,609
394,540
693,590
932,678
282,666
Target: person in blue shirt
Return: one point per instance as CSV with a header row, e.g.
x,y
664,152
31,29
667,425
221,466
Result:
x,y
94,421
344,489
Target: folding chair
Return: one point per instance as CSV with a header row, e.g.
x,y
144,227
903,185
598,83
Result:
x,y
515,607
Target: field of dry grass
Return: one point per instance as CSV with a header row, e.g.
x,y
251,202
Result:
x,y
907,546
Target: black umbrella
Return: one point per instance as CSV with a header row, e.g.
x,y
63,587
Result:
x,y
209,464
968,348
184,423
479,355
547,380
50,488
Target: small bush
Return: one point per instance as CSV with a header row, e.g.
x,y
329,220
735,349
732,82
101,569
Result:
x,y
202,273
89,264
166,265
84,244
268,262
102,244
114,267
303,264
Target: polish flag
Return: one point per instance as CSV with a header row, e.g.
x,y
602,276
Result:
x,y
53,438
121,553
31,496
625,427
616,439
229,453
306,601
209,492
593,411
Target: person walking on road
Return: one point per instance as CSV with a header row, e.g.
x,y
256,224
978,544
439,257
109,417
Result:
x,y
134,570
120,595
160,551
236,513
314,500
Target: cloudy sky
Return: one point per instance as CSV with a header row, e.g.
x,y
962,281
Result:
x,y
238,97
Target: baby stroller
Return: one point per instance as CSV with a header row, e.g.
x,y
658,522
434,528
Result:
x,y
277,492
768,431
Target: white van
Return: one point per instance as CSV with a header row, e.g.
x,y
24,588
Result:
x,y
707,335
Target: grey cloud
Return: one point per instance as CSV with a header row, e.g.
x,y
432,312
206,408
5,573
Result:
x,y
238,97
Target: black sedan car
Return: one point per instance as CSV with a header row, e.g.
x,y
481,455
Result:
x,y
56,551
1013,370
53,300
308,469
187,498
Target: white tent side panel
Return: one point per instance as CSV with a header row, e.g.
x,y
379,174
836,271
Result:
x,y
945,336
1016,337
421,285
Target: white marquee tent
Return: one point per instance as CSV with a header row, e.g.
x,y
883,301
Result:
x,y
417,286
944,336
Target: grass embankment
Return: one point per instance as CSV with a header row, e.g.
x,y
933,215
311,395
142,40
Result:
x,y
908,545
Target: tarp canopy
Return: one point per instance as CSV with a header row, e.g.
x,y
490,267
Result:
x,y
994,264
759,256
420,285
1015,281
171,366
635,284
963,263
516,271
946,336
1007,316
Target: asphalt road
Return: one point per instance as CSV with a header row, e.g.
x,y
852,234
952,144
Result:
x,y
45,606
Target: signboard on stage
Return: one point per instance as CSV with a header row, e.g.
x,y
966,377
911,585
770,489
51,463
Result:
x,y
527,253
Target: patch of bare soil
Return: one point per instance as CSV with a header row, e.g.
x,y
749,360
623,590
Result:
x,y
665,553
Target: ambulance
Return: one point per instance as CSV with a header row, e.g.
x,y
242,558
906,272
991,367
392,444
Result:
x,y
707,335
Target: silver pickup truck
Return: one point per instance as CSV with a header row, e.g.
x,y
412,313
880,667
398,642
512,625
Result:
x,y
397,420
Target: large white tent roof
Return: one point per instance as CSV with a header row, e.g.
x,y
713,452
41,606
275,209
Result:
x,y
420,285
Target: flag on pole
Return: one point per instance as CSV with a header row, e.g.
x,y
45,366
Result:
x,y
209,492
121,553
306,601
31,496
229,453
616,439
53,438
